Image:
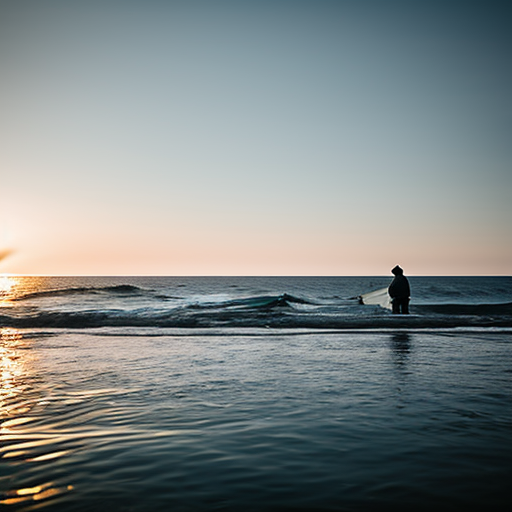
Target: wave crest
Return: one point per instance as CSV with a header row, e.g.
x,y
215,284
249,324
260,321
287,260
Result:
x,y
257,302
276,312
122,289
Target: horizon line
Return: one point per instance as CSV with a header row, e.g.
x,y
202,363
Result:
x,y
12,274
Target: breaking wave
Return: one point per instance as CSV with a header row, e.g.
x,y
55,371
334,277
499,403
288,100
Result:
x,y
281,311
259,302
303,303
122,289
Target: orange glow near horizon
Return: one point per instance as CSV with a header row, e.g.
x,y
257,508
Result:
x,y
65,245
285,256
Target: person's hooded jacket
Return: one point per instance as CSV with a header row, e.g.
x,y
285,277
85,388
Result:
x,y
399,287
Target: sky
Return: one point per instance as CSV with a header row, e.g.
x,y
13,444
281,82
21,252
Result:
x,y
255,137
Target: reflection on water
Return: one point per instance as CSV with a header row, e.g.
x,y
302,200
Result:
x,y
13,287
20,437
9,285
400,347
6,285
37,493
14,367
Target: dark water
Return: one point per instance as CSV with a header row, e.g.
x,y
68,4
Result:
x,y
249,418
302,302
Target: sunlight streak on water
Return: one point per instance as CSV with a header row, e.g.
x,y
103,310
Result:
x,y
9,286
37,493
14,366
18,397
6,284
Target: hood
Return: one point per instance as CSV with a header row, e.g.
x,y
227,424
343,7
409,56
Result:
x,y
397,271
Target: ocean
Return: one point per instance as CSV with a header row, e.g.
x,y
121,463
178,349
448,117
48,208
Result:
x,y
254,393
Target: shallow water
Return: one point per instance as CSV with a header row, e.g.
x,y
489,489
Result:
x,y
142,419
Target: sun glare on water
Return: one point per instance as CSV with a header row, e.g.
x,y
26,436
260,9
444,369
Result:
x,y
14,287
10,287
6,284
7,287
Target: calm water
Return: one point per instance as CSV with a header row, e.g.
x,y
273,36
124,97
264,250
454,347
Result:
x,y
226,417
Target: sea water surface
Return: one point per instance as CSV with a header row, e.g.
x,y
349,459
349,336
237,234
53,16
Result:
x,y
254,394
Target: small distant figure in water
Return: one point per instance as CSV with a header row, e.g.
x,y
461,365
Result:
x,y
400,292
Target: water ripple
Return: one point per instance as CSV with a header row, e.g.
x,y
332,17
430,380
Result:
x,y
252,423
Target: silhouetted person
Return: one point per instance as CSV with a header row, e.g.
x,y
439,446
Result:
x,y
400,292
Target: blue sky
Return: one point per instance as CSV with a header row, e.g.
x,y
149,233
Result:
x,y
255,137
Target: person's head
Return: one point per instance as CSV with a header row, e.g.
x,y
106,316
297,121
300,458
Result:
x,y
397,271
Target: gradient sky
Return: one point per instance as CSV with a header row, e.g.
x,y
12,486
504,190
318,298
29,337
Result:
x,y
255,137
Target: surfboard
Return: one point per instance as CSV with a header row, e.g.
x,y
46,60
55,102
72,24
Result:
x,y
378,298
